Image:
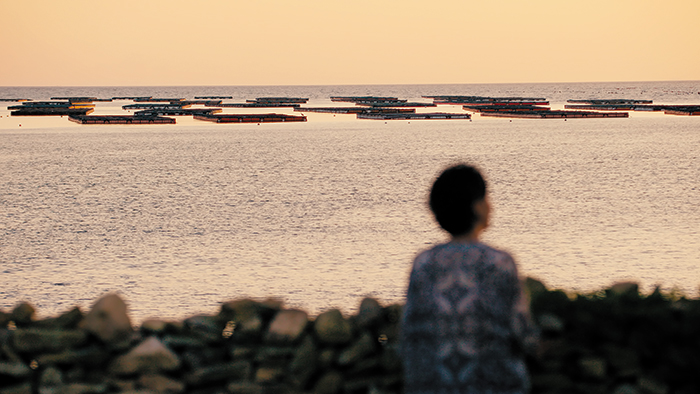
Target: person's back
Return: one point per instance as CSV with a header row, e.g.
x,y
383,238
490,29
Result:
x,y
466,322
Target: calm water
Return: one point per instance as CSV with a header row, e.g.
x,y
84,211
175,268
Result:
x,y
178,218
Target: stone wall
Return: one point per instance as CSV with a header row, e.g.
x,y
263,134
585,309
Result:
x,y
614,341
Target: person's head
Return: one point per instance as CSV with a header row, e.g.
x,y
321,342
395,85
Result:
x,y
458,200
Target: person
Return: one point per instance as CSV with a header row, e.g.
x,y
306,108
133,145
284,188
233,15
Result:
x,y
466,325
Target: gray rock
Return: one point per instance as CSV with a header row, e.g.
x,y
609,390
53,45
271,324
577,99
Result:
x,y
245,388
330,383
161,384
236,370
549,322
24,388
50,381
287,326
626,388
108,319
208,328
69,320
364,346
149,356
332,328
370,313
651,386
82,388
268,375
305,362
22,314
15,370
85,356
33,340
593,367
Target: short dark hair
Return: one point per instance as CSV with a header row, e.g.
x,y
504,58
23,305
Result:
x,y
452,198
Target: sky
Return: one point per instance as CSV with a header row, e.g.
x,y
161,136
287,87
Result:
x,y
332,42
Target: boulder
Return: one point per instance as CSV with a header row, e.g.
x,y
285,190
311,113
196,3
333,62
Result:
x,y
35,340
149,356
108,319
287,326
332,328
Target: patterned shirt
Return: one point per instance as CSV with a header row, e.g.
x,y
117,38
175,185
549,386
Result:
x,y
466,323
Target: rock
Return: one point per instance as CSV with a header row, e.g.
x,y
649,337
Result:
x,y
626,388
69,320
33,340
82,388
267,375
364,346
370,313
15,370
287,326
161,384
593,367
208,328
269,356
108,319
242,352
245,388
24,388
332,328
92,355
549,322
305,362
50,381
624,289
651,386
533,288
330,383
236,370
149,356
247,316
154,326
22,314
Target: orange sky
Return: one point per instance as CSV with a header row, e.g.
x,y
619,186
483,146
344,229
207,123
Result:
x,y
270,42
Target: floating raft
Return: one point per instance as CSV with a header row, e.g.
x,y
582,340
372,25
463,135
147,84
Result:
x,y
213,97
687,111
609,101
120,119
485,100
258,105
52,104
504,108
158,100
555,114
286,100
154,106
412,116
52,111
395,104
178,112
355,110
352,99
132,98
250,118
208,103
15,100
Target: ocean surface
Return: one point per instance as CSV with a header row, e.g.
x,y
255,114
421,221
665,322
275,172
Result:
x,y
179,218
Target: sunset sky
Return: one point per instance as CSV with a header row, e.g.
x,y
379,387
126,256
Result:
x,y
270,42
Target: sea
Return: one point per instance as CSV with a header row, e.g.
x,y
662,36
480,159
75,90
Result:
x,y
320,214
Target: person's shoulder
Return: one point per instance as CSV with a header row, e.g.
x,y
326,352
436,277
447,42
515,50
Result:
x,y
497,255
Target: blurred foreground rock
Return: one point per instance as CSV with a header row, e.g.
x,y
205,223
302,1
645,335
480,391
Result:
x,y
613,341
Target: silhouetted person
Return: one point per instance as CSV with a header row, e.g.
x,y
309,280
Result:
x,y
466,323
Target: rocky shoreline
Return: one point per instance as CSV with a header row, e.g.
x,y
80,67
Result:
x,y
613,341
